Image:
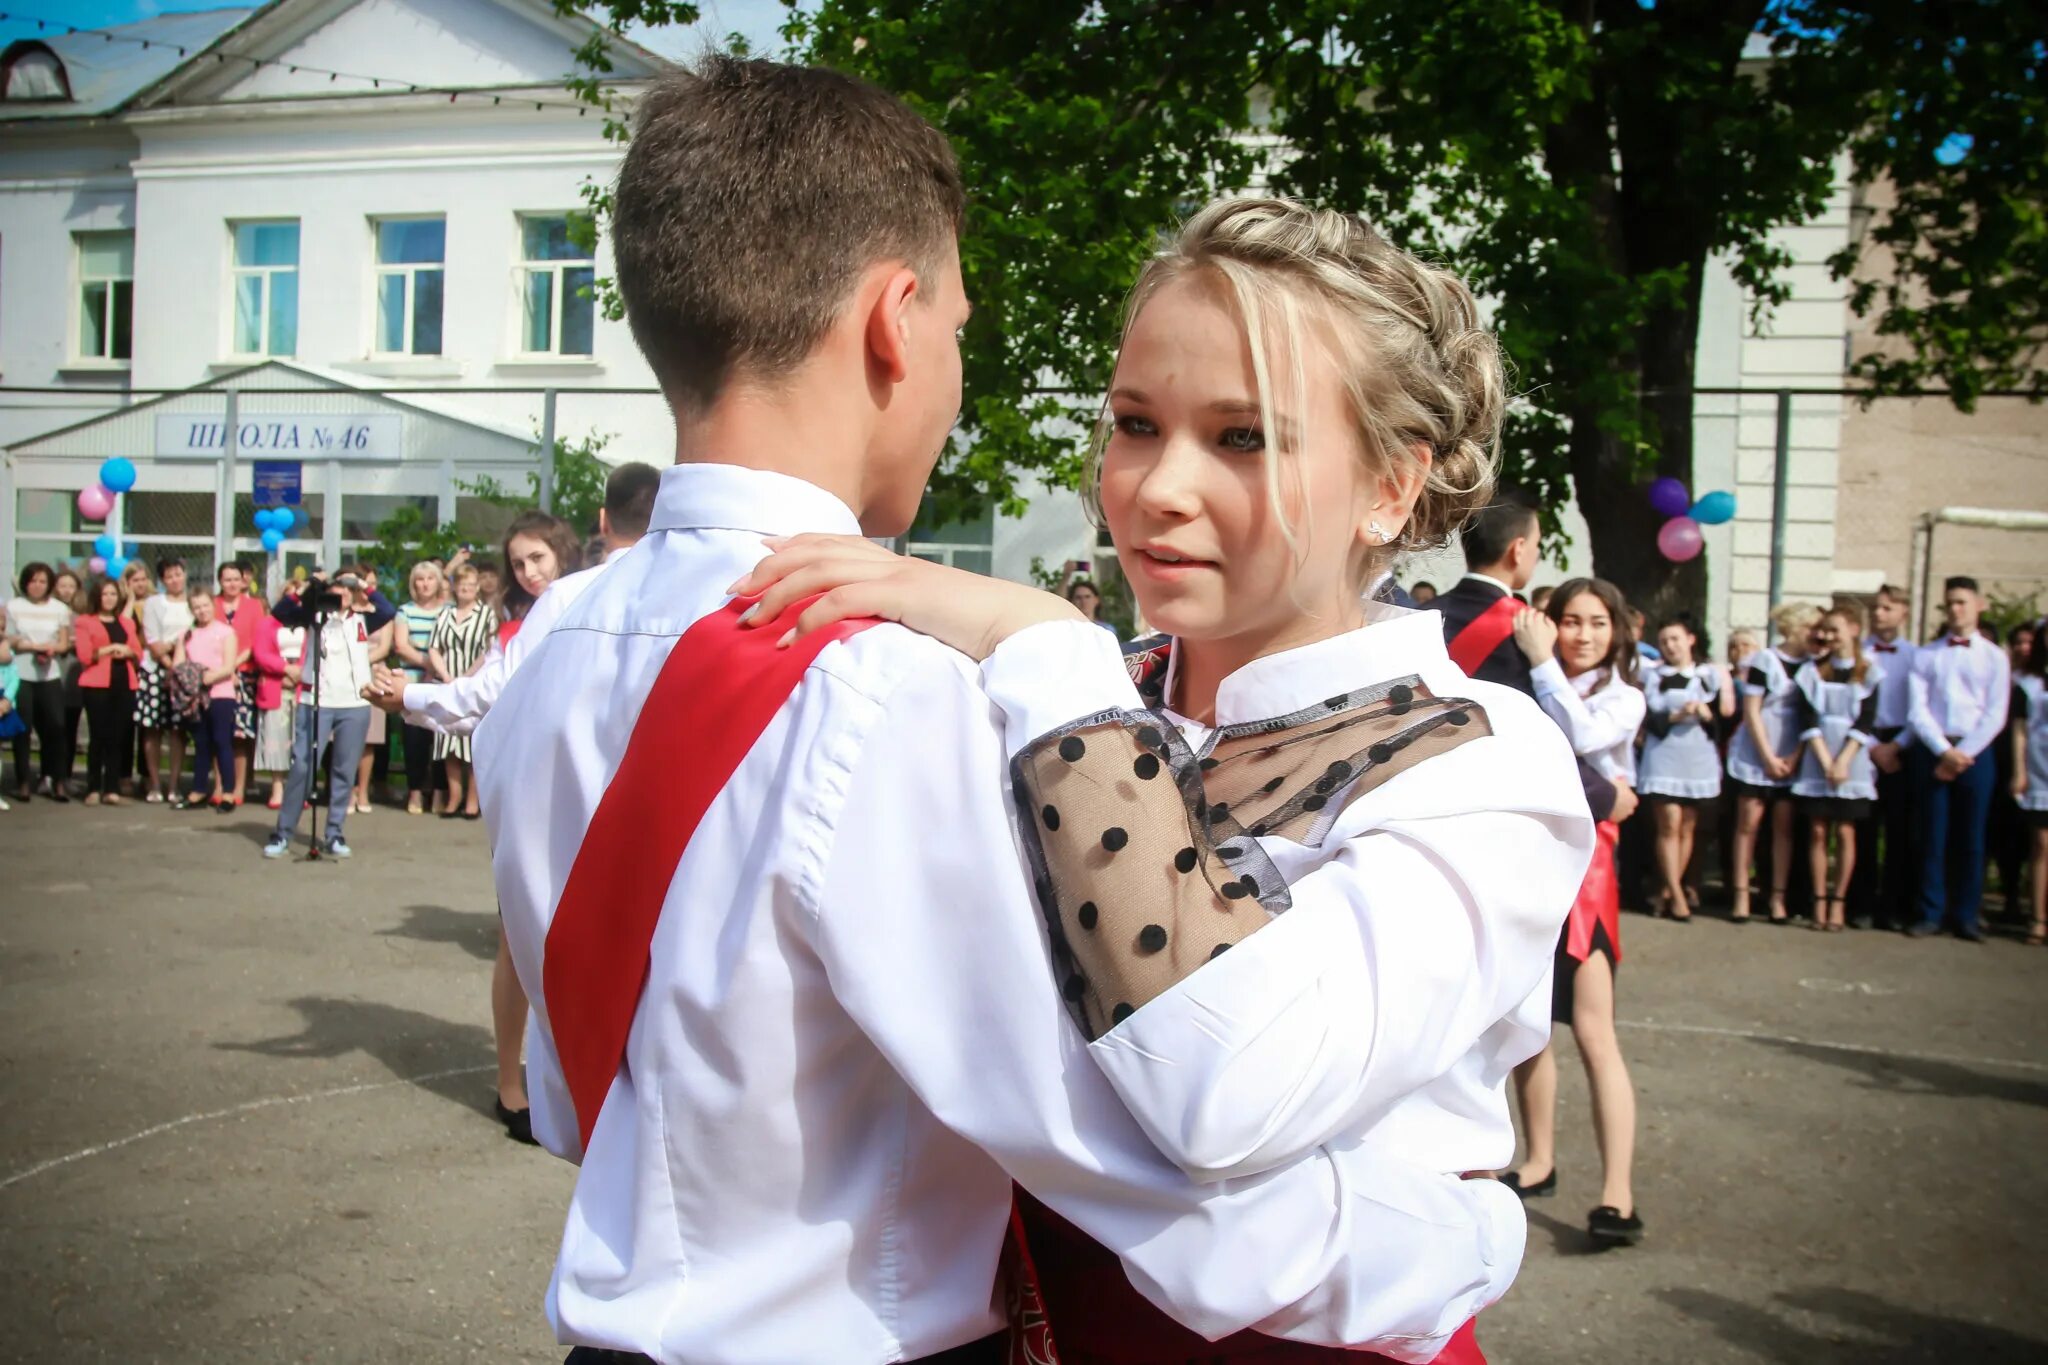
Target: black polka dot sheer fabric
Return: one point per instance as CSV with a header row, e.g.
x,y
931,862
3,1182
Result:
x,y
1145,853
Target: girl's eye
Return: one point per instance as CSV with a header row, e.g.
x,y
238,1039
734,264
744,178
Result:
x,y
1135,426
1245,439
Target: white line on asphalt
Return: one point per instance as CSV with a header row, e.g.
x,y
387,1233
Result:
x,y
247,1107
1749,1035
1756,1037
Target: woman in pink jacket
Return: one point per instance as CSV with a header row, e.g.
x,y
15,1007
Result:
x,y
276,651
107,647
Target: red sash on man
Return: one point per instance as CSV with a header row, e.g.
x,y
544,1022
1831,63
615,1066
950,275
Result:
x,y
718,690
1484,633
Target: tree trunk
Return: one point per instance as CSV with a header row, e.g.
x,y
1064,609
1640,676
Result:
x,y
1615,498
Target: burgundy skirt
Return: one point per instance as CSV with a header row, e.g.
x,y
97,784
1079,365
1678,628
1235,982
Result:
x,y
1071,1304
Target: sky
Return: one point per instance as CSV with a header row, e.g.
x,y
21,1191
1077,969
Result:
x,y
758,19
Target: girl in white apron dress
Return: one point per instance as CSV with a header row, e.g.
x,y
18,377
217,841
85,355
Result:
x,y
1681,767
1837,783
1765,752
2030,774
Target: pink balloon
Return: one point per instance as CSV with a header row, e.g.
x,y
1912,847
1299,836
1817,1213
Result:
x,y
94,503
96,564
1680,539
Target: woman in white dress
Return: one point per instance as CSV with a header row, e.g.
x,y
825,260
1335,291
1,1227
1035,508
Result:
x,y
1765,753
1837,783
2030,774
1681,765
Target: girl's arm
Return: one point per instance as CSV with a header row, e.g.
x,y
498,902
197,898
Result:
x,y
1242,1037
1592,729
437,663
2020,704
402,645
380,641
178,651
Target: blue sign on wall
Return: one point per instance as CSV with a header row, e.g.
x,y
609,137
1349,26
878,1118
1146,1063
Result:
x,y
276,482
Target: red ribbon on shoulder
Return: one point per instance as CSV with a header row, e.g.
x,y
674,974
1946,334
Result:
x,y
719,688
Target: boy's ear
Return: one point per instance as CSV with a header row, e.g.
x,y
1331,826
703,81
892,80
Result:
x,y
888,326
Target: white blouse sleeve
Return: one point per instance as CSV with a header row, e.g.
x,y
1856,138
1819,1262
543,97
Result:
x,y
1608,719
1392,961
1352,1247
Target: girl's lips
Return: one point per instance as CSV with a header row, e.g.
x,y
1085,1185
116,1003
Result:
x,y
1152,565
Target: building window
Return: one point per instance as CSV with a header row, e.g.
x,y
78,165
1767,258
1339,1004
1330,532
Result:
x,y
266,288
106,295
410,253
557,279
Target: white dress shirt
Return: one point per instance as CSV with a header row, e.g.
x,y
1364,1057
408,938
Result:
x,y
851,1038
1411,974
455,708
1600,714
1962,689
1894,702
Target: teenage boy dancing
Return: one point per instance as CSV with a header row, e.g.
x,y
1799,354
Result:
x,y
792,1007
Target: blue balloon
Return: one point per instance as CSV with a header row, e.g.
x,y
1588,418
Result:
x,y
1714,508
272,538
117,475
105,546
301,518
264,518
116,563
129,550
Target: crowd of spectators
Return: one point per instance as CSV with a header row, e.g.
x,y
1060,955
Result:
x,y
161,668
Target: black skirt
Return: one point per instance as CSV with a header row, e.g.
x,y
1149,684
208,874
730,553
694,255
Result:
x,y
1568,968
1845,810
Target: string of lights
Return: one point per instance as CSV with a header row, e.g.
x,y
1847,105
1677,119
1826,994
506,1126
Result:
x,y
400,87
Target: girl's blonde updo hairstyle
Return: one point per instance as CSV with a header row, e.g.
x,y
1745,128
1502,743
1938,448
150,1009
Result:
x,y
1418,365
1794,619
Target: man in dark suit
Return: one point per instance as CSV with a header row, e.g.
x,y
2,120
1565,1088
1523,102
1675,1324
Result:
x,y
1503,546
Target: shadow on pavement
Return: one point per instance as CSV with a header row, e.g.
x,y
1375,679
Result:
x,y
1919,1075
405,1042
1871,1331
473,931
1566,1239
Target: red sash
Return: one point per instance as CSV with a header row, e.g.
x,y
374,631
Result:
x,y
1483,634
717,692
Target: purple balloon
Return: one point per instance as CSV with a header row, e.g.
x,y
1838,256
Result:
x,y
96,564
1680,539
94,503
1669,497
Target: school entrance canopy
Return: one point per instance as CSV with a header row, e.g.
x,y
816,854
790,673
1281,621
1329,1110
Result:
x,y
348,456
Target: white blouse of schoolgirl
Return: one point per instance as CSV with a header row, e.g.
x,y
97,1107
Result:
x,y
1588,684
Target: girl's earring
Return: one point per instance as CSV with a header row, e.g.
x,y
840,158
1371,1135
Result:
x,y
1377,532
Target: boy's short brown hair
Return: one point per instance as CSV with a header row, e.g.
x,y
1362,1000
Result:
x,y
752,196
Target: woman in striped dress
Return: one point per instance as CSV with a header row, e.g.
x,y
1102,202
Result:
x,y
415,633
454,649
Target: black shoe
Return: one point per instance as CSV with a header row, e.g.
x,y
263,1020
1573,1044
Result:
x,y
1970,935
518,1122
59,795
1607,1227
1923,930
1863,922
1546,1186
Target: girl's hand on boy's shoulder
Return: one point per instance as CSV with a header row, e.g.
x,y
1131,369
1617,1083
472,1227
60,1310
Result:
x,y
1536,635
852,577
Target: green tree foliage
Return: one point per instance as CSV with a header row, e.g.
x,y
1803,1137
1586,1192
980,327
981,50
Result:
x,y
1579,161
